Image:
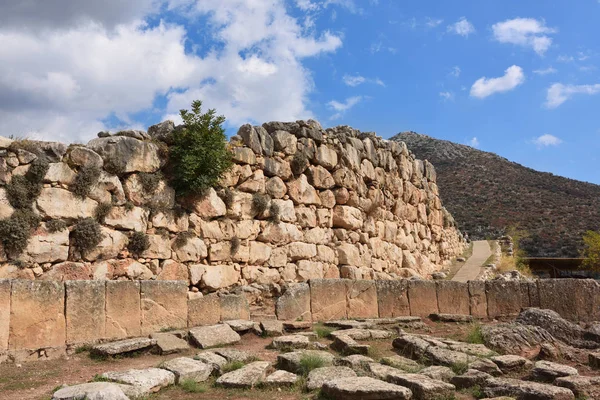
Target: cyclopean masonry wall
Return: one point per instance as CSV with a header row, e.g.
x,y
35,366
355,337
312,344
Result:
x,y
40,319
353,206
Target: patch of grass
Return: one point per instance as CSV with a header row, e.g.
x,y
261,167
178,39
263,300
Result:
x,y
232,366
260,203
100,378
375,353
56,225
138,243
83,349
474,391
460,368
150,181
191,386
101,211
182,239
323,331
86,235
475,335
308,362
85,180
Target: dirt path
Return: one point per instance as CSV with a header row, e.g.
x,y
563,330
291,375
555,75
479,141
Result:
x,y
472,267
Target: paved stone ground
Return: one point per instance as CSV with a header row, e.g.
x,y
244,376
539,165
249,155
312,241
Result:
x,y
472,267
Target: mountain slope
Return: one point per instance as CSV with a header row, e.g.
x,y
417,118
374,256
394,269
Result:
x,y
486,193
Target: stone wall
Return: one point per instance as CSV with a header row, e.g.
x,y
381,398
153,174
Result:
x,y
42,318
336,203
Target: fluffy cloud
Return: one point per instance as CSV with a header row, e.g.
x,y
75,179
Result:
x,y
92,63
341,108
485,87
525,32
356,80
462,27
558,93
447,96
546,141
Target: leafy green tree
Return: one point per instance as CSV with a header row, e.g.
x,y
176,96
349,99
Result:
x,y
591,251
199,154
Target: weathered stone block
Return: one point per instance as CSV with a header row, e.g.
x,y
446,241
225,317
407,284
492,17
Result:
x,y
478,299
534,295
422,296
123,309
392,298
453,297
328,299
504,298
294,304
573,299
164,305
234,307
204,311
361,299
4,313
37,318
85,311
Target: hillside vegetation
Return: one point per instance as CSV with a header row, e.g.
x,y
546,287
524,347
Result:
x,y
486,194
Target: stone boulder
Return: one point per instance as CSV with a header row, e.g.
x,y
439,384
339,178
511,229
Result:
x,y
141,382
125,154
214,336
186,369
363,388
526,390
92,391
246,377
546,371
318,376
55,202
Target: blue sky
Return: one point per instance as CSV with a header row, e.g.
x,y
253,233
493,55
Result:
x,y
518,78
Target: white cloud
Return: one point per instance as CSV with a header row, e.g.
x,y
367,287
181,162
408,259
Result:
x,y
485,87
546,141
433,22
447,96
559,93
341,108
474,142
62,81
545,71
455,71
525,32
356,80
565,59
462,27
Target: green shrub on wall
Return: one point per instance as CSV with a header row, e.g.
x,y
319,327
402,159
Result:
x,y
86,235
199,156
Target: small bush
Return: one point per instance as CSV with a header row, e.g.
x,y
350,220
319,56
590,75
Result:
x,y
232,366
37,171
163,232
260,203
138,243
235,243
101,211
299,163
23,190
227,196
182,239
191,386
274,213
308,362
199,156
112,167
150,181
86,235
56,225
460,368
323,331
15,231
85,179
475,336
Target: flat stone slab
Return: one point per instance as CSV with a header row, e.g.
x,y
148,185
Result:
x,y
478,350
546,371
348,324
485,365
291,361
186,368
422,386
594,360
245,377
470,378
214,336
240,325
93,390
296,325
318,376
403,363
364,388
169,343
144,381
438,372
234,355
451,318
280,378
447,357
582,386
526,390
363,334
347,345
211,358
510,363
272,327
355,361
123,346
290,342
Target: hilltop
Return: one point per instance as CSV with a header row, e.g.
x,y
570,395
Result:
x,y
487,193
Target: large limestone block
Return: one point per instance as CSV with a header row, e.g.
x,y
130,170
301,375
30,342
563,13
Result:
x,y
127,154
285,142
160,248
347,217
85,311
392,298
362,299
169,219
364,388
194,250
326,157
6,209
4,313
301,251
123,309
69,271
422,296
276,167
46,247
582,304
328,299
208,206
234,307
55,202
93,390
220,276
280,233
503,298
301,192
164,305
59,173
294,304
120,218
204,310
83,157
163,196
173,271
37,318
113,242
478,299
453,297
214,336
349,254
